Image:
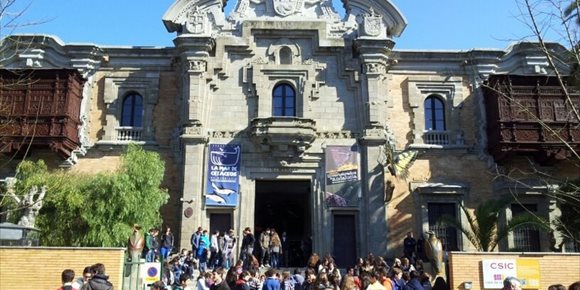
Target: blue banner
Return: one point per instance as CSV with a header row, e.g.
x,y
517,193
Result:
x,y
223,175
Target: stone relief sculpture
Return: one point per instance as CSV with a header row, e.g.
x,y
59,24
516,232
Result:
x,y
372,24
286,7
196,21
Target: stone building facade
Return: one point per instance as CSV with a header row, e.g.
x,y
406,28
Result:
x,y
286,82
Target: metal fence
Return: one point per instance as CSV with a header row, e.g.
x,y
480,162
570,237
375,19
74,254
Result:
x,y
139,275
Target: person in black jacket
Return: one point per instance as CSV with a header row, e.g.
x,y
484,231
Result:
x,y
247,247
218,280
99,280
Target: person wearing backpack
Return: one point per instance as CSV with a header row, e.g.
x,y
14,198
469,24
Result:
x,y
67,276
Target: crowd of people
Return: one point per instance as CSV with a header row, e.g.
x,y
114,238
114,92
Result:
x,y
322,274
211,258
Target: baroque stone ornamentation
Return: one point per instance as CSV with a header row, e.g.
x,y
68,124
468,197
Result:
x,y
197,65
193,130
372,23
287,7
196,21
375,68
223,134
261,60
337,135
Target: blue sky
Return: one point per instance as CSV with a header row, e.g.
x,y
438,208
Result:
x,y
442,24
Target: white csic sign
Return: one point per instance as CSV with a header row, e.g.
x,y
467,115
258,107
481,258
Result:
x,y
495,271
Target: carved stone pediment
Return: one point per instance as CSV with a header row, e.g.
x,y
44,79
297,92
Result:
x,y
283,133
195,17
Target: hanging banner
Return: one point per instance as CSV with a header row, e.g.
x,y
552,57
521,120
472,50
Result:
x,y
223,175
343,185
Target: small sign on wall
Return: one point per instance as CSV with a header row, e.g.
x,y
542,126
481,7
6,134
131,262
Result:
x,y
150,273
525,270
529,273
495,271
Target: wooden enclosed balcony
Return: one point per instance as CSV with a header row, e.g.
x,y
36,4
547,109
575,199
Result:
x,y
532,116
40,109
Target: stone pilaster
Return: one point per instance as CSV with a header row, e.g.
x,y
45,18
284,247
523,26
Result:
x,y
193,181
373,212
374,59
194,54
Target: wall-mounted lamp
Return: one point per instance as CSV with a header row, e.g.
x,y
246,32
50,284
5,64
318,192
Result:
x,y
467,285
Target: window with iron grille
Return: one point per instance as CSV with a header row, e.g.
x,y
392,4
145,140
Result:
x,y
447,234
526,239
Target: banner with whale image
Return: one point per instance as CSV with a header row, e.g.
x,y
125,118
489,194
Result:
x,y
223,176
343,185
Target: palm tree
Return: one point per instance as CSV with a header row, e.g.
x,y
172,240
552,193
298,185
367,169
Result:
x,y
483,229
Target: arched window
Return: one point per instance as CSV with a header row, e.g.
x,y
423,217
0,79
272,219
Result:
x,y
132,115
434,114
284,100
285,55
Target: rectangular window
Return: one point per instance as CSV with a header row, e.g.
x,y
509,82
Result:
x,y
448,235
525,239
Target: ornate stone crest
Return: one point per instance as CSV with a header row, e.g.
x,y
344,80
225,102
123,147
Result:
x,y
196,21
372,25
287,7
